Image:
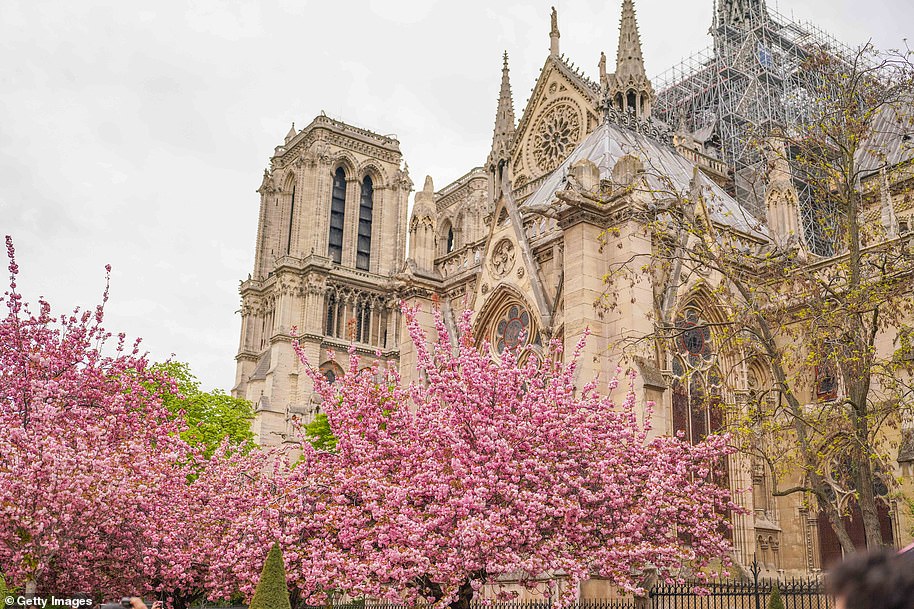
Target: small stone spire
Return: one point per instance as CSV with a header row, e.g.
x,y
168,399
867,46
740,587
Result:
x,y
630,88
602,68
554,34
504,116
292,133
503,134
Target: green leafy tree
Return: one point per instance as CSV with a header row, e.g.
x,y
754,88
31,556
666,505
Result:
x,y
5,591
318,433
272,591
210,416
774,600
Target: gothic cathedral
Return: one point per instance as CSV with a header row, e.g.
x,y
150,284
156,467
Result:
x,y
519,240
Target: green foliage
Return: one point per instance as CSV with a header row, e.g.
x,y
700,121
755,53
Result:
x,y
774,601
210,416
5,591
319,434
272,591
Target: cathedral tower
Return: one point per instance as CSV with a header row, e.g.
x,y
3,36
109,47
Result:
x,y
330,238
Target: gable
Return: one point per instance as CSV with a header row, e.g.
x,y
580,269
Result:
x,y
559,115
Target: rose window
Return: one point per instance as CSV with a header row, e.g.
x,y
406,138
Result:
x,y
557,132
693,338
513,329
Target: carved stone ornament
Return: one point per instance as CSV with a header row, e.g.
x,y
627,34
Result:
x,y
555,135
485,288
520,272
502,258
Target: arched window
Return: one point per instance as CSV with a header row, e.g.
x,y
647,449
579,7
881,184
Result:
x,y
363,247
291,216
450,239
632,101
512,329
337,216
698,407
362,323
331,317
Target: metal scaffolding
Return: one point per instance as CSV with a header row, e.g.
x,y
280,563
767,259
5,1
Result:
x,y
748,81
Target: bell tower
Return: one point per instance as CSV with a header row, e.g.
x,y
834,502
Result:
x,y
330,239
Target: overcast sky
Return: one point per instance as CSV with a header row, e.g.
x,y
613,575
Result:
x,y
135,133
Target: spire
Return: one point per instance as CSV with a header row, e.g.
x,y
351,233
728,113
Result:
x,y
292,133
554,34
504,118
629,86
738,13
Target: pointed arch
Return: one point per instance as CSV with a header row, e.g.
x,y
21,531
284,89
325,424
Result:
x,y
348,163
447,238
366,219
507,320
289,191
375,171
337,215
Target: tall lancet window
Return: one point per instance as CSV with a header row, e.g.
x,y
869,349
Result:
x,y
363,247
337,216
291,216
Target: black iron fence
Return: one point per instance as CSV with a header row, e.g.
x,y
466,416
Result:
x,y
794,593
736,594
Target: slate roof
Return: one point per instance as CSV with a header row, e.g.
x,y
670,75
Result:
x,y
892,136
609,142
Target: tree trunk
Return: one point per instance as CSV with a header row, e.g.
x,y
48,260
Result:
x,y
867,503
837,525
465,595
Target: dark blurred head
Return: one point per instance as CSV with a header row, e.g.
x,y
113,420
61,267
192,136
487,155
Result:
x,y
882,579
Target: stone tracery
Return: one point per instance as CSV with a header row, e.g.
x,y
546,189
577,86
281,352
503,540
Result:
x,y
555,135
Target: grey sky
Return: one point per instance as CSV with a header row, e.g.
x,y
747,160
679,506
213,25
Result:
x,y
135,133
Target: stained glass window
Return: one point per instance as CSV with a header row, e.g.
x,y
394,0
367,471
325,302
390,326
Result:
x,y
826,382
513,328
694,338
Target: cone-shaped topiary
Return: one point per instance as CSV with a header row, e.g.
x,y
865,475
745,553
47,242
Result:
x,y
774,601
272,592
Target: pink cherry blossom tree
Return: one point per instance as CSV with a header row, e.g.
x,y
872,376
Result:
x,y
93,473
490,469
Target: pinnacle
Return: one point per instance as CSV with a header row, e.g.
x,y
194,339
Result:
x,y
629,60
504,115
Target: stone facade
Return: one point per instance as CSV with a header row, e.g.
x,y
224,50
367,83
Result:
x,y
520,241
312,276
